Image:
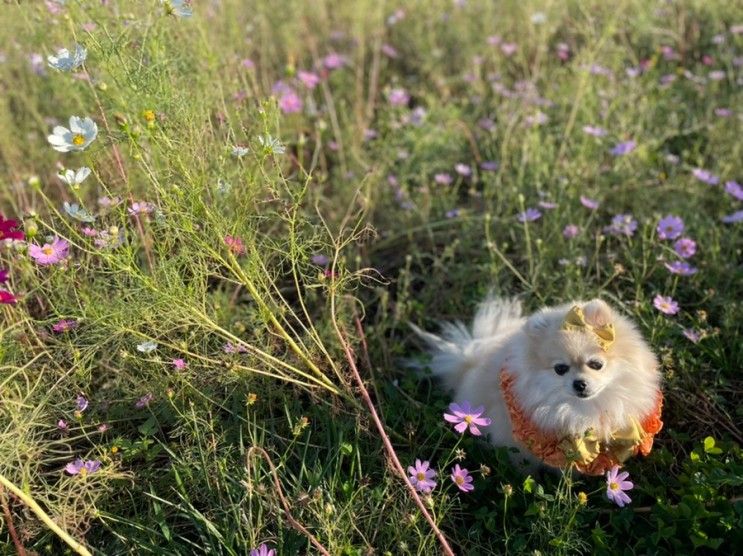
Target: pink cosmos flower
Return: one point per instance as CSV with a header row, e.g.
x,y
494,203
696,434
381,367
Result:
x,y
466,417
90,232
421,476
309,79
398,97
509,48
692,335
64,325
463,169
80,467
595,131
248,64
290,102
140,207
547,205
666,304
617,485
62,425
334,61
570,231
462,478
50,253
235,244
389,51
229,347
443,178
144,401
179,364
685,247
263,550
589,203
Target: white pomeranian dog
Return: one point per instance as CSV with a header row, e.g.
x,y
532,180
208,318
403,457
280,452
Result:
x,y
569,386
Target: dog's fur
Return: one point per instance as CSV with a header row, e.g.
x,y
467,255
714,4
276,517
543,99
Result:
x,y
469,362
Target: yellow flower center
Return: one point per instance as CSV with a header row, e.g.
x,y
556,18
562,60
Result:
x,y
78,140
83,471
421,476
468,419
459,480
149,115
47,250
114,449
614,486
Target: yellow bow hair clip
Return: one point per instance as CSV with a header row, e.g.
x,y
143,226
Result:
x,y
576,321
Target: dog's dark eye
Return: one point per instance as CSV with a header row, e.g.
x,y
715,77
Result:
x,y
595,365
561,368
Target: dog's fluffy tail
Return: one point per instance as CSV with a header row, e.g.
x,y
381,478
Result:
x,y
457,349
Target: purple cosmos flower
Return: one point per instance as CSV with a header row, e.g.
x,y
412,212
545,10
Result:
x,y
81,403
290,102
179,364
670,227
570,231
443,178
594,130
617,485
733,188
144,401
462,478
486,123
421,476
463,169
682,268
229,347
494,40
263,550
589,203
665,305
80,467
64,325
398,97
685,247
622,225
248,64
466,417
309,79
733,218
705,176
453,213
320,259
626,147
529,215
50,253
489,165
692,335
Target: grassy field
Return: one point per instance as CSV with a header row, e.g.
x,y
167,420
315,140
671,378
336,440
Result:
x,y
276,189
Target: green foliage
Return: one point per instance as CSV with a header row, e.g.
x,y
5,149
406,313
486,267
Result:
x,y
173,96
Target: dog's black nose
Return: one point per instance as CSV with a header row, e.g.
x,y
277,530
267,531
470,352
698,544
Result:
x,y
579,386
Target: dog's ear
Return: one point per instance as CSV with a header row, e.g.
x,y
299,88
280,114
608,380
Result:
x,y
537,324
598,313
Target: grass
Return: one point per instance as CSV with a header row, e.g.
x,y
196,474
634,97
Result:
x,y
201,468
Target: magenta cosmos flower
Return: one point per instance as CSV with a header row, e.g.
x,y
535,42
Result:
x,y
10,229
465,416
49,253
617,486
529,215
263,550
462,478
666,304
670,227
626,147
80,467
685,247
421,476
7,298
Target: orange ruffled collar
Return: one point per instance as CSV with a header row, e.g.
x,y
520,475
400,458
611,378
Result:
x,y
589,455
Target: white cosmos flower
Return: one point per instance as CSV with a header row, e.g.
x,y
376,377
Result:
x,y
81,133
147,347
74,178
78,213
181,8
239,151
66,60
